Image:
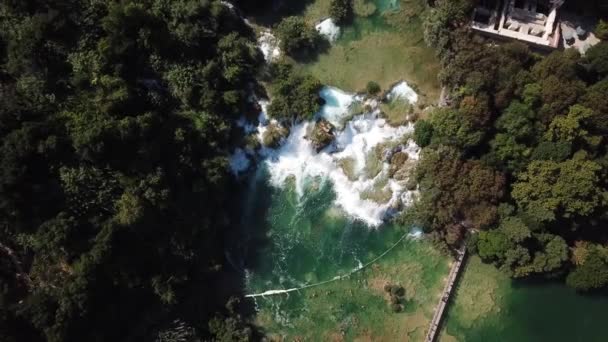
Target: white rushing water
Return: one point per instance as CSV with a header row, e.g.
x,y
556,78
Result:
x,y
269,45
329,29
337,104
355,141
297,159
404,91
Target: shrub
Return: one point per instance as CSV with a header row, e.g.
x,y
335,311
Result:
x,y
397,291
601,30
294,95
297,37
364,8
423,133
372,88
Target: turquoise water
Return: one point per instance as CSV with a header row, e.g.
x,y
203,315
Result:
x,y
489,306
376,22
305,240
542,312
387,5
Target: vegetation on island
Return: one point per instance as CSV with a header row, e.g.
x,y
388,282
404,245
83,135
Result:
x,y
372,88
116,121
295,94
516,164
341,11
298,38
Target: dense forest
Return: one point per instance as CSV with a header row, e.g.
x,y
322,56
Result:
x,y
516,162
116,120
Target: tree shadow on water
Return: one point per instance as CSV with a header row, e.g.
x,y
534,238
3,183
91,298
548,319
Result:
x,y
270,12
219,296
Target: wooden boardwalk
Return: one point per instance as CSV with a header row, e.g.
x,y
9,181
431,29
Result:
x,y
445,296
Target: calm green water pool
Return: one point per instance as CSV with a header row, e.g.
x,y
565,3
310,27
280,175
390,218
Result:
x,y
527,311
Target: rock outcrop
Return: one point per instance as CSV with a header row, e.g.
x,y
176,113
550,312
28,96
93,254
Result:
x,y
322,134
274,134
400,166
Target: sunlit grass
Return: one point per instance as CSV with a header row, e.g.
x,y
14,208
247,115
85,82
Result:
x,y
397,111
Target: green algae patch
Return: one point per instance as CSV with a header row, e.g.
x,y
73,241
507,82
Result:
x,y
479,294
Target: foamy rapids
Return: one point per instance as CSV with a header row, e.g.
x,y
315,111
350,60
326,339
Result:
x,y
355,139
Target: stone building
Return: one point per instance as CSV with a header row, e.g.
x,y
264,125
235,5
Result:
x,y
530,21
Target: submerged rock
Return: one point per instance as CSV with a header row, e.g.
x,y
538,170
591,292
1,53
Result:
x,y
364,8
322,134
274,134
401,166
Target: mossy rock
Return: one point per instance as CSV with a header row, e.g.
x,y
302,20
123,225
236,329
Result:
x,y
252,142
397,161
411,184
274,134
399,158
322,134
396,307
348,167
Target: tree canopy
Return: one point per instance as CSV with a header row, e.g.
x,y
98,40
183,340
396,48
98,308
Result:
x,y
115,127
526,139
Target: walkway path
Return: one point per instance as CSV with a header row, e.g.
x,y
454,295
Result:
x,y
445,296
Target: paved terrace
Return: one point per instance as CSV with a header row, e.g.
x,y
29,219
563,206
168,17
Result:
x,y
523,24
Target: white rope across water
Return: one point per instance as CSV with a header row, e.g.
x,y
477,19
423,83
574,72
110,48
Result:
x,y
336,278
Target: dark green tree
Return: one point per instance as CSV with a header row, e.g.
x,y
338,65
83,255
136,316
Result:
x,y
295,95
341,11
298,38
